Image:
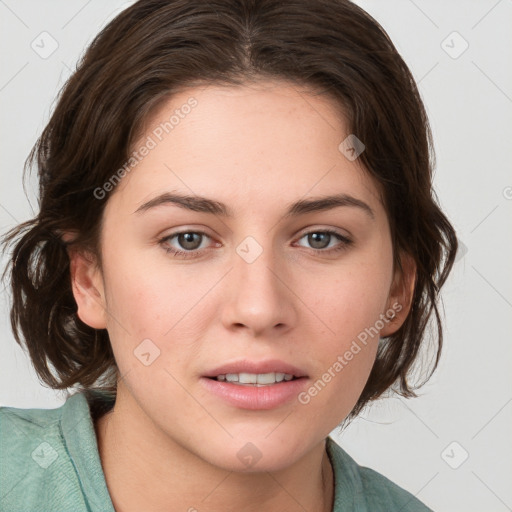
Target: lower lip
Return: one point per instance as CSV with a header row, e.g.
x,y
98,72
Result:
x,y
256,397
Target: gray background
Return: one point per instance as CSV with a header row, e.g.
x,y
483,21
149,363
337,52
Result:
x,y
451,446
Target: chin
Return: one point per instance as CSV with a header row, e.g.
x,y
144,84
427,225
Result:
x,y
258,453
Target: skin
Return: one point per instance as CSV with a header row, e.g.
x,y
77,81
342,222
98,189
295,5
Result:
x,y
169,444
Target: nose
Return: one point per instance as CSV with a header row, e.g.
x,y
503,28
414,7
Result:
x,y
259,297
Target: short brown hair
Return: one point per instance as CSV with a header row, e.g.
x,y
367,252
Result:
x,y
158,47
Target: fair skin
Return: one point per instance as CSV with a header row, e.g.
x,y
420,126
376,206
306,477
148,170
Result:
x,y
169,443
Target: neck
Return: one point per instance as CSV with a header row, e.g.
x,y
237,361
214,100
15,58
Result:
x,y
147,470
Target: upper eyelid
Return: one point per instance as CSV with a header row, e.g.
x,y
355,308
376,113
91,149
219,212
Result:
x,y
337,231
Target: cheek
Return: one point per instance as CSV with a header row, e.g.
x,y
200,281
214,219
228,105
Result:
x,y
161,302
141,290
345,347
351,302
351,339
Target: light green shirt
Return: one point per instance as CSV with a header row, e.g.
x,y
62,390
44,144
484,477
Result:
x,y
49,462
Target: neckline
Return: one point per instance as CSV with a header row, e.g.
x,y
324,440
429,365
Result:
x,y
346,485
78,426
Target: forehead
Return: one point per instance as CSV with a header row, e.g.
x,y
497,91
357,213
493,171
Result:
x,y
245,145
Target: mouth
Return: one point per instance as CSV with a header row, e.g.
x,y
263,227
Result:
x,y
255,385
254,373
255,379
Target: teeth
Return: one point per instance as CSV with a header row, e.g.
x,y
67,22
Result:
x,y
247,378
266,378
258,379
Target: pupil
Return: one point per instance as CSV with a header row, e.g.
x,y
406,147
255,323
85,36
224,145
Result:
x,y
315,239
188,239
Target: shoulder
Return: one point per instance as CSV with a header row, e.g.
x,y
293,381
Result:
x,y
27,436
380,489
35,466
368,489
18,422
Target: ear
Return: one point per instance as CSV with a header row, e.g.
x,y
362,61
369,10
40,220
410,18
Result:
x,y
88,290
400,295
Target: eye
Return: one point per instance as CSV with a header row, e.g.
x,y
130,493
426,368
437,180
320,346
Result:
x,y
189,240
320,240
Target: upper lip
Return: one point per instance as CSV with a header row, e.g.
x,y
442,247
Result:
x,y
247,366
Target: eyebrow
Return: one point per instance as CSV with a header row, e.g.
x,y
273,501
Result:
x,y
301,207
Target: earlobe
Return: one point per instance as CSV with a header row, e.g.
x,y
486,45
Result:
x,y
400,296
87,287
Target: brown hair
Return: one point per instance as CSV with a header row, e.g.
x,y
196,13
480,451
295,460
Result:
x,y
157,47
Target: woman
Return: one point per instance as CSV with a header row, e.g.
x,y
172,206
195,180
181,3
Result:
x,y
238,249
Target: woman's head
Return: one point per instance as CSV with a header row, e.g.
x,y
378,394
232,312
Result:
x,y
257,105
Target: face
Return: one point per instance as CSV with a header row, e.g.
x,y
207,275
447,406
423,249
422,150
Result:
x,y
246,287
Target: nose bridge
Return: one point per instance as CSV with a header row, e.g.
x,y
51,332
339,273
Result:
x,y
256,263
260,299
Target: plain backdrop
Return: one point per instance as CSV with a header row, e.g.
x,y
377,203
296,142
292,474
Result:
x,y
451,446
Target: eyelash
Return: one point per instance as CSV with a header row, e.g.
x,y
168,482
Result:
x,y
345,242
